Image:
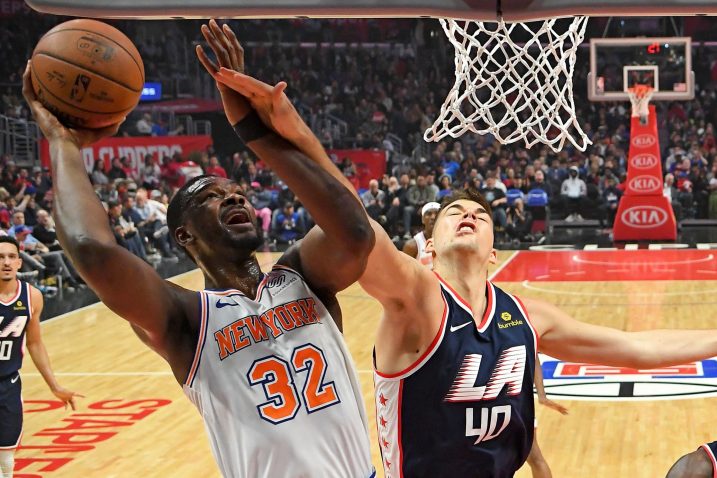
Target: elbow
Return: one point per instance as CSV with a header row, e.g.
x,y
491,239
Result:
x,y
88,253
361,237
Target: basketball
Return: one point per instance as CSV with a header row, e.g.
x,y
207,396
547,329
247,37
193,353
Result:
x,y
87,73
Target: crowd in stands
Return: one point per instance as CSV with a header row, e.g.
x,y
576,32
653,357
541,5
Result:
x,y
393,87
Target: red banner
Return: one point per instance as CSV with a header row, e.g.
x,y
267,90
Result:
x,y
134,149
644,213
369,163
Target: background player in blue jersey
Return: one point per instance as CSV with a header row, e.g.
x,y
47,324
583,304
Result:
x,y
701,463
455,355
20,309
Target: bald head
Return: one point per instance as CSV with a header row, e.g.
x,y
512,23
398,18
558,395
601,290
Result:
x,y
693,465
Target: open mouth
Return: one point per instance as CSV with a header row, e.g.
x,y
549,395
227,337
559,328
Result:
x,y
236,216
466,226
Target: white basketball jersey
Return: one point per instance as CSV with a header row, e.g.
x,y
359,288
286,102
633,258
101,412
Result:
x,y
276,386
423,257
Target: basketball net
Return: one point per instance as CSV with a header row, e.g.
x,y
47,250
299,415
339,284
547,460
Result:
x,y
513,81
640,96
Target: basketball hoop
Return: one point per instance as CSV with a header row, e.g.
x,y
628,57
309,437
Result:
x,y
640,96
513,81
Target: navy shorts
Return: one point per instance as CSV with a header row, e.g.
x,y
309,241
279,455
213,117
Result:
x,y
10,411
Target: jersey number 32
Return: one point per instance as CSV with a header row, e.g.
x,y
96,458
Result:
x,y
276,376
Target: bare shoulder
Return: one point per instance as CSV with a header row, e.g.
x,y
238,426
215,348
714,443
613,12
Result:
x,y
541,313
36,298
291,258
410,247
692,465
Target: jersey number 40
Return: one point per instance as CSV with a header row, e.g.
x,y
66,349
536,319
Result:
x,y
275,376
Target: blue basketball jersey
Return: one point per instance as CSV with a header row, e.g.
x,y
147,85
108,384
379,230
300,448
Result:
x,y
465,408
14,316
711,450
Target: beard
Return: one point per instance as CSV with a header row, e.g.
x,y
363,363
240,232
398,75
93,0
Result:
x,y
249,243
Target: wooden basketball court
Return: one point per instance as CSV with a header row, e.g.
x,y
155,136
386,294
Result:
x,y
136,422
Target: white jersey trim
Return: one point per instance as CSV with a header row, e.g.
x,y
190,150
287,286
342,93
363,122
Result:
x,y
29,300
415,366
17,294
712,459
388,400
524,311
201,339
490,306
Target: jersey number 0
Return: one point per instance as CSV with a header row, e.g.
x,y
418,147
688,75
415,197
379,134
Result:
x,y
275,376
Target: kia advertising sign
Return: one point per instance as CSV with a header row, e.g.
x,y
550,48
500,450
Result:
x,y
644,140
644,217
645,184
644,161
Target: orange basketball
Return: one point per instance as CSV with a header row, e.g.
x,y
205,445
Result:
x,y
87,73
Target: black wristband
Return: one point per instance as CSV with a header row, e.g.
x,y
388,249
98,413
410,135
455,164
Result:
x,y
251,128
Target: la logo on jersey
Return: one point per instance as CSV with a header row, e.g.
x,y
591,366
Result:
x,y
14,328
508,372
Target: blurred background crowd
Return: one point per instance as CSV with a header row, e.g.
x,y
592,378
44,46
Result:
x,y
360,84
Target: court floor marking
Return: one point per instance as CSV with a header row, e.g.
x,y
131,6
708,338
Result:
x,y
503,265
528,285
580,260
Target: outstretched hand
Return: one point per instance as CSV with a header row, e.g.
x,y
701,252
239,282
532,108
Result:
x,y
51,127
67,396
273,106
229,54
555,406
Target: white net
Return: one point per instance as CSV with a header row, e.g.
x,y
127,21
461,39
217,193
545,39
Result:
x,y
640,96
513,81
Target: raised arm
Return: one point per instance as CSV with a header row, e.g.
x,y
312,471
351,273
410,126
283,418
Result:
x,y
333,255
387,266
568,339
125,283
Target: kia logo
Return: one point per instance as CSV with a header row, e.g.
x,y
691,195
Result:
x,y
645,184
644,140
644,217
644,161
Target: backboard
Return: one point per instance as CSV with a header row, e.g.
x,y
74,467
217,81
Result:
x,y
510,10
665,63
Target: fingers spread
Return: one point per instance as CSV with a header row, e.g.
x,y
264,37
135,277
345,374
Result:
x,y
205,61
216,46
236,46
221,37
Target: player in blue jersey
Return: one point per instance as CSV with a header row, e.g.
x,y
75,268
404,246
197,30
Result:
x,y
701,463
455,355
20,309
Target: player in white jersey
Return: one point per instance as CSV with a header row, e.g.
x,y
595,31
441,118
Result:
x,y
261,356
416,247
